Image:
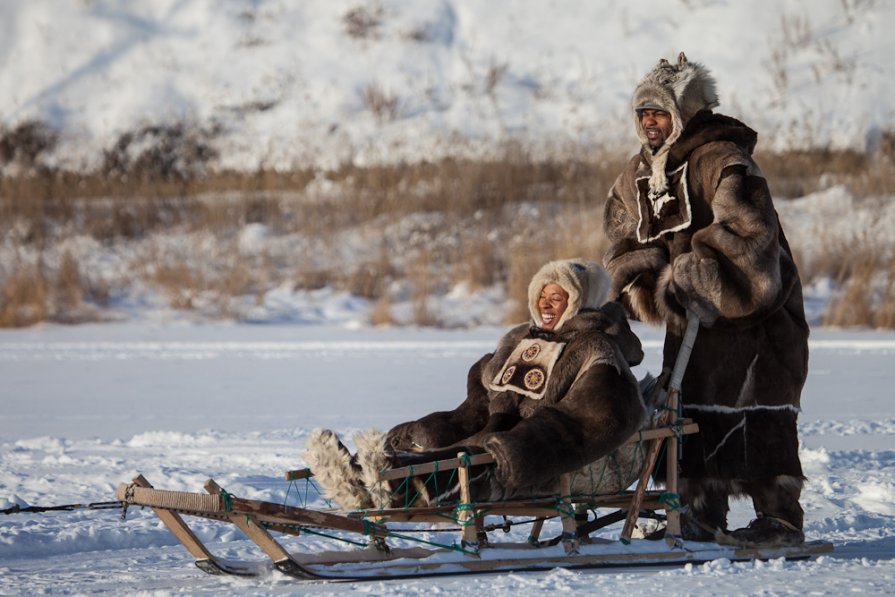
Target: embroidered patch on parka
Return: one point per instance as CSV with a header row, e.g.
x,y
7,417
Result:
x,y
527,369
667,213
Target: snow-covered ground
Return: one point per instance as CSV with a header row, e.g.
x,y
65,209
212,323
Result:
x,y
88,407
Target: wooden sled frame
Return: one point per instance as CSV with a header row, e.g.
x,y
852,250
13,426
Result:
x,y
375,559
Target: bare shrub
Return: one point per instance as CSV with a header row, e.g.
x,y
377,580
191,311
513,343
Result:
x,y
885,312
854,306
835,62
179,282
796,30
779,69
496,73
68,284
312,279
523,262
363,22
178,151
369,279
477,263
384,106
851,8
419,34
886,147
571,233
24,297
421,277
25,143
381,313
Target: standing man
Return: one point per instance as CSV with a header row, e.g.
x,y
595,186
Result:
x,y
692,227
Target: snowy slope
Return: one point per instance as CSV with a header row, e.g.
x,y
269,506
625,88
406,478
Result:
x,y
285,83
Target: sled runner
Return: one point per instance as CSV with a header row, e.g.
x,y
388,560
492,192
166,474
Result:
x,y
397,542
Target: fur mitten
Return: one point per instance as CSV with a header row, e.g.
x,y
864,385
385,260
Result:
x,y
696,285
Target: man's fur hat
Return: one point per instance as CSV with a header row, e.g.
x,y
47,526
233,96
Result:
x,y
682,90
586,282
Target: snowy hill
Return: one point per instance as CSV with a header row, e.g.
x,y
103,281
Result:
x,y
321,93
320,82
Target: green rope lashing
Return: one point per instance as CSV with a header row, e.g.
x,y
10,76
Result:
x,y
564,505
288,489
328,536
464,507
671,499
452,546
225,497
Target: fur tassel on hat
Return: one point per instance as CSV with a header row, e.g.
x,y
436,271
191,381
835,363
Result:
x,y
682,90
586,282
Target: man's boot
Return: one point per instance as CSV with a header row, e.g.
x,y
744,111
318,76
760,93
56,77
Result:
x,y
779,516
705,511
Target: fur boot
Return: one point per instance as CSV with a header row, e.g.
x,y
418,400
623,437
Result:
x,y
373,457
334,470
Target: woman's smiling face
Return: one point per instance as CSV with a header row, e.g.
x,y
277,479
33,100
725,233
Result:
x,y
552,304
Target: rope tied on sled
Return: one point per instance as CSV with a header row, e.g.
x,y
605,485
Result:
x,y
226,500
671,500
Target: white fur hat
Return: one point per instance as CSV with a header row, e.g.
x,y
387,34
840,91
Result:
x,y
586,282
682,90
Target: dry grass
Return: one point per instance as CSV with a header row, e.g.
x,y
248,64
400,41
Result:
x,y
35,292
25,298
425,227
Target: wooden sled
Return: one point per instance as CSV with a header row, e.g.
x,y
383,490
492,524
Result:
x,y
374,532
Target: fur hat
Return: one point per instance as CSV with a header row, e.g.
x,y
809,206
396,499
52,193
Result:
x,y
586,282
682,90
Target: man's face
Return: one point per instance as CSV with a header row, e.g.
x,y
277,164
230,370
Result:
x,y
656,125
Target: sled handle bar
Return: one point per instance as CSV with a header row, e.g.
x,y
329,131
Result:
x,y
683,355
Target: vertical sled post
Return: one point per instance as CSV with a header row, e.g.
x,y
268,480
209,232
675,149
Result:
x,y
669,416
466,514
248,525
535,534
673,525
567,514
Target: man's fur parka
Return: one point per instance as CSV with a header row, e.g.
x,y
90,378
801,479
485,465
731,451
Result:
x,y
711,242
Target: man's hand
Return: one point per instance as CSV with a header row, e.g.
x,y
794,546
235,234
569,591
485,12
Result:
x,y
696,285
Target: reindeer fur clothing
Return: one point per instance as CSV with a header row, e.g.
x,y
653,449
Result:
x,y
544,403
712,243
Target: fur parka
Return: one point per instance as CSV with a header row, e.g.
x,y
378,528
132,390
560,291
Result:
x,y
713,244
544,403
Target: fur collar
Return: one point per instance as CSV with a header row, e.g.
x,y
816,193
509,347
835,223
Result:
x,y
707,127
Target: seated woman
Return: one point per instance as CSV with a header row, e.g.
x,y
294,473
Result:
x,y
556,395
